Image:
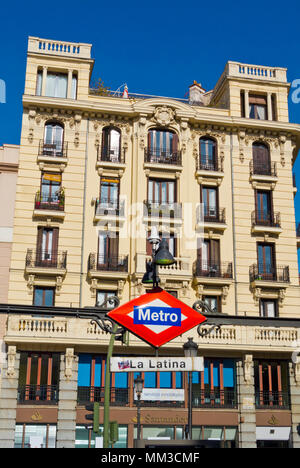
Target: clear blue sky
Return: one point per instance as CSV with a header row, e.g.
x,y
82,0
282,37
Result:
x,y
156,48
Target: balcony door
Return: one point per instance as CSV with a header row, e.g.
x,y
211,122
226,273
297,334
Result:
x,y
161,192
108,250
53,139
163,145
50,188
47,247
209,198
261,159
109,193
208,154
263,204
209,257
111,144
266,261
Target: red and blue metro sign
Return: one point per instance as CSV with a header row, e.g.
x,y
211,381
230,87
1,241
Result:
x,y
156,317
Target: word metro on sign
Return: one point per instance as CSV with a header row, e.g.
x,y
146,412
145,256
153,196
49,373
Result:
x,y
157,316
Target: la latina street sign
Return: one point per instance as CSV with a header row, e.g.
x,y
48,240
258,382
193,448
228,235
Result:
x,y
156,317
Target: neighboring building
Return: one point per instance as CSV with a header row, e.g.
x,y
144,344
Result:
x,y
95,171
9,159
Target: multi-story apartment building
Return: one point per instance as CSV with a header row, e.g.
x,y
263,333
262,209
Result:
x,y
213,173
9,158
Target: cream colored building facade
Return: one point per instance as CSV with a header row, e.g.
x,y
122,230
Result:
x,y
231,149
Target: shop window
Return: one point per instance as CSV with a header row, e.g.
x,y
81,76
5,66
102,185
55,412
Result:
x,y
86,438
29,435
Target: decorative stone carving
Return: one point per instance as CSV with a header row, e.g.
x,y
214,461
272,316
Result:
x,y
69,358
11,360
296,365
225,291
281,296
164,115
121,284
248,365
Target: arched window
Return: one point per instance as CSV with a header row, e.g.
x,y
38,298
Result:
x,y
53,139
208,154
111,144
261,159
162,146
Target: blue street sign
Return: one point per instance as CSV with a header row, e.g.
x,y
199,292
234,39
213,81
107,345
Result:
x,y
157,316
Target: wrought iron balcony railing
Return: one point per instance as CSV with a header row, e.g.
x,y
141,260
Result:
x,y
272,399
38,394
46,259
56,149
162,156
125,397
269,273
269,169
298,230
111,154
107,263
213,270
162,209
213,166
107,206
214,216
215,398
56,202
269,220
118,396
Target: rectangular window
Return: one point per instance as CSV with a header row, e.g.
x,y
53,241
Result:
x,y
268,308
171,240
39,80
161,191
209,198
263,203
209,257
47,245
108,250
109,193
258,107
38,377
213,302
43,297
266,261
50,188
35,436
56,85
271,379
74,87
103,296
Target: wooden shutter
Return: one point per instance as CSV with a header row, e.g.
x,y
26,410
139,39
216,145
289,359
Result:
x,y
257,99
148,245
113,248
214,252
175,144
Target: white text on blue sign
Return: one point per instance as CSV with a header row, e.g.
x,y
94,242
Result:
x,y
157,316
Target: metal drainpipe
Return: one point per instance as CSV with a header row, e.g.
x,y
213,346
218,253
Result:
x,y
83,211
233,225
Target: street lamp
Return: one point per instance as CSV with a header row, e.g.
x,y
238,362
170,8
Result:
x,y
138,386
190,350
160,256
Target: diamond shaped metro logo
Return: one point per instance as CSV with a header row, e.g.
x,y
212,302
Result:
x,y
156,317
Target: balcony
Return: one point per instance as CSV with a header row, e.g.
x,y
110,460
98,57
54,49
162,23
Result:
x,y
60,330
269,276
49,206
111,158
211,220
162,159
215,398
118,396
107,210
269,223
38,394
114,267
272,400
53,152
209,171
171,212
213,273
298,235
45,262
263,172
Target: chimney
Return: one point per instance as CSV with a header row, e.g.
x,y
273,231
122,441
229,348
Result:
x,y
196,94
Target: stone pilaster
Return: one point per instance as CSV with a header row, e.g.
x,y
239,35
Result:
x,y
246,402
295,401
8,398
66,419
